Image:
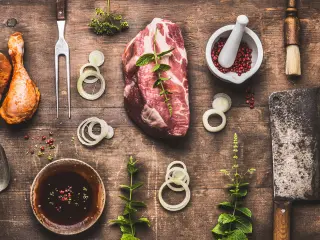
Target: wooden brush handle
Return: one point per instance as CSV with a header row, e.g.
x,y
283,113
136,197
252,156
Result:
x,y
292,4
281,220
61,9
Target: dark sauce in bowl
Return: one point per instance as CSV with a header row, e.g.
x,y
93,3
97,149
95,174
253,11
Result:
x,y
65,198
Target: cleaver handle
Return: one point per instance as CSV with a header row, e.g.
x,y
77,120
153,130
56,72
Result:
x,y
281,220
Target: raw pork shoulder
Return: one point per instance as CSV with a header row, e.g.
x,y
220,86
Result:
x,y
143,103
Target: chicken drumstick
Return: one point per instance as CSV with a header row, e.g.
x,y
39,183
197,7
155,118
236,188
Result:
x,y
23,96
5,73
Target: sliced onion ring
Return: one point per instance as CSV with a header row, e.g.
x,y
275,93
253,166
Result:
x,y
176,180
206,124
89,65
102,124
110,132
82,138
222,102
176,163
179,206
85,94
96,57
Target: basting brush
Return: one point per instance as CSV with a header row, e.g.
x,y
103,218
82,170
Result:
x,y
291,30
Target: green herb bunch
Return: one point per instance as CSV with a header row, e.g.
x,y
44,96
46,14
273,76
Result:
x,y
128,220
107,23
158,68
235,224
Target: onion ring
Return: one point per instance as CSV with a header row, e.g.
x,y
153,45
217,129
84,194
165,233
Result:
x,y
176,163
89,65
85,94
179,206
80,132
206,116
185,179
96,57
222,102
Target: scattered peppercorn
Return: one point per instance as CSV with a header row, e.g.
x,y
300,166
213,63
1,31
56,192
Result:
x,y
242,63
42,149
26,137
250,98
32,151
44,138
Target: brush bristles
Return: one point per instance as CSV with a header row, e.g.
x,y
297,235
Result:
x,y
293,66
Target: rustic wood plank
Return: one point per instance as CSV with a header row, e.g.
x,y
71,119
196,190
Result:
x,y
203,152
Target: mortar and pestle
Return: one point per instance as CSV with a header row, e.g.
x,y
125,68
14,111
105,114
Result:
x,y
235,34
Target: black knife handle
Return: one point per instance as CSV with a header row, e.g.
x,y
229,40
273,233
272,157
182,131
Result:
x,y
61,9
281,220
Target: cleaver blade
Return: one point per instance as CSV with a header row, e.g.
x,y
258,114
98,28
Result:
x,y
294,118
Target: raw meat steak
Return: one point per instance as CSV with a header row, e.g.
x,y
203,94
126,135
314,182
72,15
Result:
x,y
143,103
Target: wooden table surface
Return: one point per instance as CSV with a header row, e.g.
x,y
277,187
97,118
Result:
x,y
204,153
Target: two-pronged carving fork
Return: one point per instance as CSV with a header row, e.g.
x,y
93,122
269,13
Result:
x,y
62,48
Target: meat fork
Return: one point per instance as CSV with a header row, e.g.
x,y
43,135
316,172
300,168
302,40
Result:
x,y
62,48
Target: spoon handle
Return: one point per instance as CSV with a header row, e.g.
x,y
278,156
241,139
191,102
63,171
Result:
x,y
4,170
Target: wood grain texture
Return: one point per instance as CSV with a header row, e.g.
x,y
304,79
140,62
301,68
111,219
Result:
x,y
281,220
203,152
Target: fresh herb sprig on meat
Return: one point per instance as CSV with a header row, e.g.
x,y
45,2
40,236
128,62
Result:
x,y
108,23
158,68
235,224
128,220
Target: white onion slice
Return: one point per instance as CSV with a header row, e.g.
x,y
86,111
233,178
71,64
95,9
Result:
x,y
222,102
96,57
102,124
176,163
97,138
172,175
85,94
206,124
110,132
179,206
89,65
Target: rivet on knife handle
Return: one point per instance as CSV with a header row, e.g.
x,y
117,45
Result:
x,y
61,9
281,221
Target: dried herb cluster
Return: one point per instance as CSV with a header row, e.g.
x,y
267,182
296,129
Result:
x,y
128,220
158,68
235,224
108,23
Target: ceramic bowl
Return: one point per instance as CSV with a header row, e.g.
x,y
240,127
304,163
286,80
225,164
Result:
x,y
93,179
253,42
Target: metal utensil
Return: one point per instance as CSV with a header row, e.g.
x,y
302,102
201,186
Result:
x,y
62,48
4,170
295,131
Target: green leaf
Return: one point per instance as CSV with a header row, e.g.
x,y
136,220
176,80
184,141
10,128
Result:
x,y
236,235
239,193
138,204
145,59
126,187
125,229
163,67
136,185
156,67
164,79
220,230
243,184
225,218
132,169
128,237
121,220
128,209
143,220
243,210
156,83
243,224
124,198
165,52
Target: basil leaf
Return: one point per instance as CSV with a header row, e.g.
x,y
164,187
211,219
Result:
x,y
164,67
145,59
220,230
243,210
243,224
236,235
225,218
127,236
138,204
165,52
143,220
156,83
156,68
125,229
121,220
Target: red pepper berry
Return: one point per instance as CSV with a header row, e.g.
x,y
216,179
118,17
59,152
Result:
x,y
26,137
42,149
32,151
61,192
43,138
251,106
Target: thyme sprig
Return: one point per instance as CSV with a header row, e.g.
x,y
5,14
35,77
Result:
x,y
107,22
128,220
158,68
237,223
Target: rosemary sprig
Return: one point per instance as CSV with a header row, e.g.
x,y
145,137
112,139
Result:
x,y
237,223
158,68
107,23
128,220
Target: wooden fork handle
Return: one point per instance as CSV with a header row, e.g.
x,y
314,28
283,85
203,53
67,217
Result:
x,y
61,9
281,220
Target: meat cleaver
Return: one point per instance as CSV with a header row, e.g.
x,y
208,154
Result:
x,y
294,117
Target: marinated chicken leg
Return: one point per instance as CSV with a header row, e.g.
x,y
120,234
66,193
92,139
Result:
x,y
23,96
5,73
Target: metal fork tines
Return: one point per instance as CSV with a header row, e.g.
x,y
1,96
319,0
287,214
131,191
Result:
x,y
62,48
